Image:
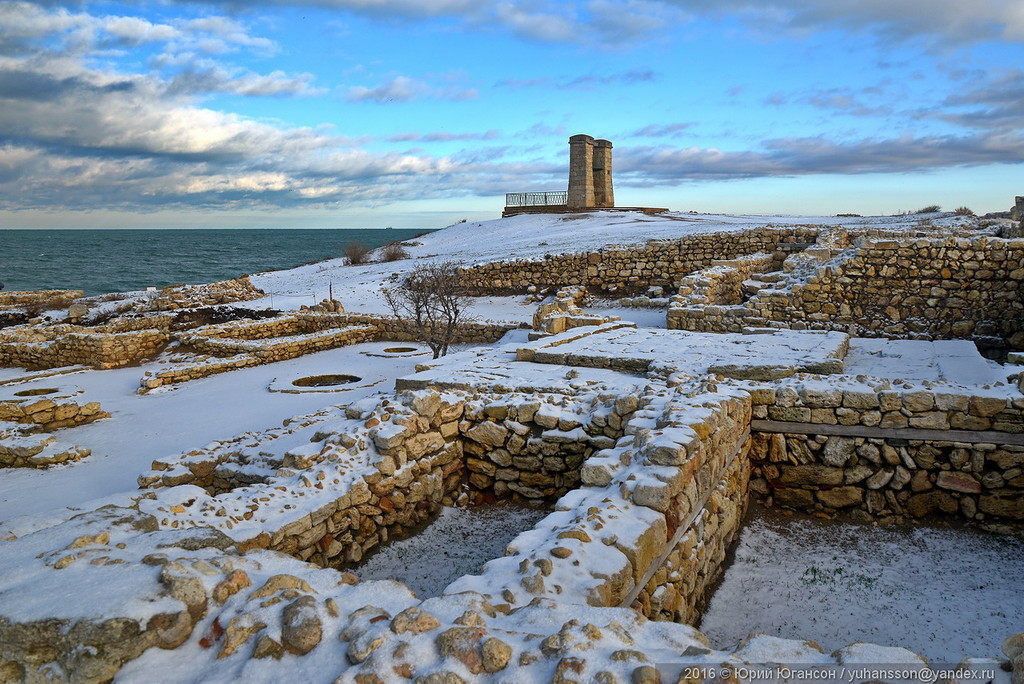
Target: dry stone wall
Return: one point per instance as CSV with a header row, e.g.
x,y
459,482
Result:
x,y
712,300
208,294
629,270
119,343
938,288
229,346
48,414
38,299
899,454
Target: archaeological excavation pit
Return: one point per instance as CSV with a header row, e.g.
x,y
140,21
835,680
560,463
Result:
x,y
458,542
933,590
326,380
37,392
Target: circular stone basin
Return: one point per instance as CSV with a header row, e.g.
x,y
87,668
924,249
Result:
x,y
325,380
36,392
400,350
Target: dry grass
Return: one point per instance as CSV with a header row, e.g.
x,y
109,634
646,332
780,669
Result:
x,y
393,251
355,252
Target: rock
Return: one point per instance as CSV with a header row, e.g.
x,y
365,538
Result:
x,y
171,629
278,582
488,433
841,497
811,475
231,585
268,648
239,630
838,450
958,482
921,505
440,678
414,620
463,644
1003,503
362,645
301,629
183,585
789,497
646,674
496,655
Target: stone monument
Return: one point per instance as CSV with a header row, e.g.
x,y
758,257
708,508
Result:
x,y
590,173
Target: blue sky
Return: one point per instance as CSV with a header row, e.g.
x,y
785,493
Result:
x,y
419,113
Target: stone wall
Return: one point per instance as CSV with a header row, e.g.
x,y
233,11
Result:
x,y
119,343
38,299
245,343
565,312
208,294
711,300
49,414
629,270
898,455
21,449
97,349
651,523
938,288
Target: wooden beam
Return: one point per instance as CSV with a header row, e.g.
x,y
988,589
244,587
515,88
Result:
x,y
966,436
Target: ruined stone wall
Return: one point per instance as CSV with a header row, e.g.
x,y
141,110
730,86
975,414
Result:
x,y
711,300
900,455
628,270
533,448
39,299
96,349
49,414
941,288
207,294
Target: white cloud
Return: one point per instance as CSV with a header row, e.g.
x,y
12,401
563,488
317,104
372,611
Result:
x,y
951,20
405,89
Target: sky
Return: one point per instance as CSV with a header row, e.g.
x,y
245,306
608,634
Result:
x,y
421,113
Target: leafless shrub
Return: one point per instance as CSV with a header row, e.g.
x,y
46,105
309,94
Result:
x,y
963,211
433,301
393,251
355,252
930,209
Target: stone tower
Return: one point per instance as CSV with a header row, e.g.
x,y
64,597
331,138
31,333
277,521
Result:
x,y
590,173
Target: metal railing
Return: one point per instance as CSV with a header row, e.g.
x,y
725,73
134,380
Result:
x,y
536,199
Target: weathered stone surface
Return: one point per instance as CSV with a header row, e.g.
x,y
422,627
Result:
x,y
488,433
414,620
841,497
958,482
811,475
838,450
301,628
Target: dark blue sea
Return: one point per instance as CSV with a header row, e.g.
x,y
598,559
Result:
x,y
101,261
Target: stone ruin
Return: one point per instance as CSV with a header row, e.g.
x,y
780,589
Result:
x,y
590,184
647,450
590,173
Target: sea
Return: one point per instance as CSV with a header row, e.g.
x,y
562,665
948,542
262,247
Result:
x,y
102,261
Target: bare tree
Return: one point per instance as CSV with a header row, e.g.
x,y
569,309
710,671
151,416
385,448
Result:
x,y
433,301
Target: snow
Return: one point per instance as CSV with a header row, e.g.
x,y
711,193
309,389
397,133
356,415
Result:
x,y
944,593
177,419
937,592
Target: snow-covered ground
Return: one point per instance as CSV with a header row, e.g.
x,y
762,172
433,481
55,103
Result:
x,y
940,592
171,420
530,236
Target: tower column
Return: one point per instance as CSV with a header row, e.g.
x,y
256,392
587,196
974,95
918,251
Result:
x,y
604,196
581,172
